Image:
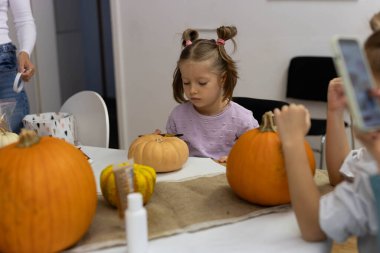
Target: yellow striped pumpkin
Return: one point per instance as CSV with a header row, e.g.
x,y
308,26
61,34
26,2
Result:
x,y
144,182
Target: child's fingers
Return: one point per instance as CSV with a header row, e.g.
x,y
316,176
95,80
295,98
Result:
x,y
223,159
375,92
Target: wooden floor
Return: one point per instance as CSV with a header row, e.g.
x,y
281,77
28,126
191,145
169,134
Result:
x,y
349,246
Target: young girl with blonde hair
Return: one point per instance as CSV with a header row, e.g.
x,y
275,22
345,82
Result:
x,y
204,81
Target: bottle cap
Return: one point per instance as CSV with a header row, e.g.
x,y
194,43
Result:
x,y
135,201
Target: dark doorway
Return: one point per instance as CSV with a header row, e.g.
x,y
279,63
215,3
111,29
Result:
x,y
85,58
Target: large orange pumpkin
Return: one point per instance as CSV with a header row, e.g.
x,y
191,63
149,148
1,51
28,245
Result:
x,y
47,195
162,153
256,168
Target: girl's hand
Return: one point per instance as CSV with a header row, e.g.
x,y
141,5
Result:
x,y
25,66
293,122
223,159
375,93
336,99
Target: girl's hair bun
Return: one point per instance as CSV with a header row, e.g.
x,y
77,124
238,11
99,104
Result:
x,y
189,35
375,22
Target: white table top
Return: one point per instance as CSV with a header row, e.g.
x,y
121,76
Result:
x,y
277,232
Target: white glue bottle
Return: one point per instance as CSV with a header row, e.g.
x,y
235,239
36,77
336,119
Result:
x,y
136,224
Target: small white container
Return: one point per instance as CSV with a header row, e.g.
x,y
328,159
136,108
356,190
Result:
x,y
136,224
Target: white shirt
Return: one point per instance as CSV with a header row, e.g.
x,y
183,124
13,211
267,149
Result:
x,y
23,22
357,158
350,209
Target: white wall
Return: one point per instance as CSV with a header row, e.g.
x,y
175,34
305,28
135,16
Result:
x,y
43,90
147,34
46,80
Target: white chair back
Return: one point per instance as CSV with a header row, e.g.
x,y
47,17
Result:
x,y
91,118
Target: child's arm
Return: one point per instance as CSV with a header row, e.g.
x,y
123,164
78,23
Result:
x,y
337,146
293,122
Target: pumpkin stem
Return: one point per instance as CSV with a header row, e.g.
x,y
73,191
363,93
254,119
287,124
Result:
x,y
28,138
267,123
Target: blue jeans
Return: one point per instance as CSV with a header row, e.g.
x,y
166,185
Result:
x,y
8,71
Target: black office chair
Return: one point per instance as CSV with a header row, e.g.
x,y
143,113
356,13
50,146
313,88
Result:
x,y
259,106
308,79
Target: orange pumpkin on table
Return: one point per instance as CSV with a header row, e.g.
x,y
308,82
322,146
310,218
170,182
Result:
x,y
162,153
256,168
47,195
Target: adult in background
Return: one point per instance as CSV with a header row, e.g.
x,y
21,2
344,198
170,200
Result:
x,y
13,60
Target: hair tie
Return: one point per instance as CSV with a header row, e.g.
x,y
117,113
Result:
x,y
188,42
220,42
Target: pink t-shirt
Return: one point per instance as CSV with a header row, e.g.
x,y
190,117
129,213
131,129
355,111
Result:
x,y
210,136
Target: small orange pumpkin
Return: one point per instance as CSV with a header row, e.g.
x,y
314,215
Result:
x,y
256,168
47,194
162,153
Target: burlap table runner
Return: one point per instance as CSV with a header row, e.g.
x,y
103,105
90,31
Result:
x,y
178,207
